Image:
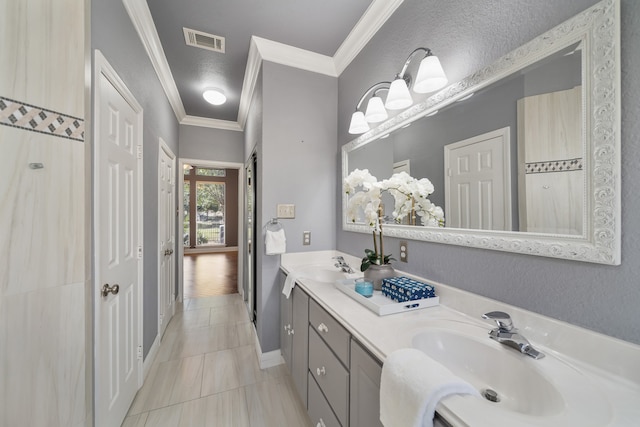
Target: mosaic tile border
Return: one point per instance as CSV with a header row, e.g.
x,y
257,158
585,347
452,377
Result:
x,y
37,119
554,166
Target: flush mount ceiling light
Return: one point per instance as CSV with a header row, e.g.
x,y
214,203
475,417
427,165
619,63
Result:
x,y
429,78
214,96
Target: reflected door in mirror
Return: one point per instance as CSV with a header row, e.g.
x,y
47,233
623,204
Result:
x,y
477,182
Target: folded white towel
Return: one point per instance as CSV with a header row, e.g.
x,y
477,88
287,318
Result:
x,y
275,242
289,283
411,386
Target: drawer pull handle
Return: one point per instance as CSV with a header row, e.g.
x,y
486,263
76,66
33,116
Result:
x,y
321,371
321,423
323,328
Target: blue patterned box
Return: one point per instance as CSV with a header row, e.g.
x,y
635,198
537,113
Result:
x,y
403,289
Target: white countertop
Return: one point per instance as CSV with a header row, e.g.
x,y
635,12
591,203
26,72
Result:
x,y
611,367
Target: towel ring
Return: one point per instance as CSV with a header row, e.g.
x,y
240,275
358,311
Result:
x,y
273,225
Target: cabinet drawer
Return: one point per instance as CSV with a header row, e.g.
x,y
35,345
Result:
x,y
336,337
331,376
319,410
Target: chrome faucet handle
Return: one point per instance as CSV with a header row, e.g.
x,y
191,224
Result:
x,y
339,258
502,319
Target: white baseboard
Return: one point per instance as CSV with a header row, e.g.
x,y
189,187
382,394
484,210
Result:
x,y
151,357
269,359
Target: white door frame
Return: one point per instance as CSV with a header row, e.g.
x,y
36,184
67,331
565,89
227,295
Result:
x,y
102,66
179,242
162,146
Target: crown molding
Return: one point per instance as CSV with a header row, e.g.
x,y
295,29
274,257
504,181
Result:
x,y
260,49
211,123
254,61
295,57
142,20
376,15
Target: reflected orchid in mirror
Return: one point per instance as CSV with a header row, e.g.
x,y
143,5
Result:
x,y
411,199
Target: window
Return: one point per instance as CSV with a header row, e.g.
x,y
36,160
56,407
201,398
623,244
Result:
x,y
211,172
204,207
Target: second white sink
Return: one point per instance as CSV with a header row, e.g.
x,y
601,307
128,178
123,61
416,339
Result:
x,y
322,273
519,386
544,392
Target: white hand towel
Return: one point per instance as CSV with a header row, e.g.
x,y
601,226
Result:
x,y
411,386
289,283
275,242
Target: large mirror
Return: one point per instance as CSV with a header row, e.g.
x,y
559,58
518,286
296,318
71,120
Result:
x,y
523,155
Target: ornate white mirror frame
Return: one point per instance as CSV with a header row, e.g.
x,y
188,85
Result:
x,y
598,29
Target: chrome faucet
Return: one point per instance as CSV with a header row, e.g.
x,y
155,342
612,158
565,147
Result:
x,y
342,265
506,334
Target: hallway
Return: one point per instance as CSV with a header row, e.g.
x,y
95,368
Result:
x,y
206,374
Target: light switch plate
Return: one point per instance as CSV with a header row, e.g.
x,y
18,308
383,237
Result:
x,y
286,211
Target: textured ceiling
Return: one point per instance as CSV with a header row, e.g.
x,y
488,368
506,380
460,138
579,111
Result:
x,y
317,26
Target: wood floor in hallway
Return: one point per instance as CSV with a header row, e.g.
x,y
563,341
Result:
x,y
210,274
206,373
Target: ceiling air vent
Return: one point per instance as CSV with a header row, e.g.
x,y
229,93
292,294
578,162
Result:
x,y
203,40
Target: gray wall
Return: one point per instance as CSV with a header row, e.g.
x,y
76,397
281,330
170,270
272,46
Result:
x,y
113,33
211,144
468,36
297,158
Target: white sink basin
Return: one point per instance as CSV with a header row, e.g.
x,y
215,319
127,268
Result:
x,y
520,387
321,273
545,392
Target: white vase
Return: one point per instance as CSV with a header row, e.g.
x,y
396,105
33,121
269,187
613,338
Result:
x,y
375,273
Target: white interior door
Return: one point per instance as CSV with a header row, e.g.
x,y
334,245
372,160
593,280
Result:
x,y
477,182
118,251
166,233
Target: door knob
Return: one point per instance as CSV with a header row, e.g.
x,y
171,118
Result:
x,y
113,289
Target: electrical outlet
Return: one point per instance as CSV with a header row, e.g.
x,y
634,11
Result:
x,y
306,238
286,211
404,251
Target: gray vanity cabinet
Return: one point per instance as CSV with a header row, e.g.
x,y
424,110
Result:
x,y
336,378
294,337
328,367
365,376
320,411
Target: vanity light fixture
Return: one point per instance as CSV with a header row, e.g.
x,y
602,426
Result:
x,y
375,110
214,96
429,78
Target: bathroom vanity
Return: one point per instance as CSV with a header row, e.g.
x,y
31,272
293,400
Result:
x,y
334,348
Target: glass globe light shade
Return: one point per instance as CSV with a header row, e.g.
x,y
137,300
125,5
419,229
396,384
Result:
x,y
375,110
430,76
358,123
398,96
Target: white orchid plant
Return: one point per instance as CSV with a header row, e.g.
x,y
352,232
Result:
x,y
411,198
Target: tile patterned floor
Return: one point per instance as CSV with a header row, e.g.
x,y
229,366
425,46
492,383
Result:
x,y
206,373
